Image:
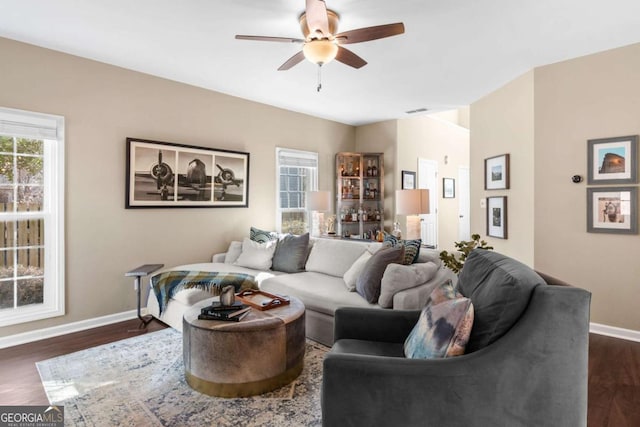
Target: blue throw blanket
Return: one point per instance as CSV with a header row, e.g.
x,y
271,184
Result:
x,y
166,285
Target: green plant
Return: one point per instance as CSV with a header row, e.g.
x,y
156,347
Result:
x,y
455,263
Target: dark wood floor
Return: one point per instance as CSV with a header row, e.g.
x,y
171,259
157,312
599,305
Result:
x,y
614,371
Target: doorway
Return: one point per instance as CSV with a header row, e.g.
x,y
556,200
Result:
x,y
428,178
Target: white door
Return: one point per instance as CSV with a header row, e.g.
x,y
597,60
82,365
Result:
x,y
464,199
428,178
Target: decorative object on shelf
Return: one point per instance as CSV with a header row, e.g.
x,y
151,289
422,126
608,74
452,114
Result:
x,y
448,188
497,217
396,232
331,225
456,262
412,203
496,172
612,160
408,180
612,210
139,273
318,202
359,194
168,175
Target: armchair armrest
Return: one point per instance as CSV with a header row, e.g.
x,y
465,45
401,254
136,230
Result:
x,y
371,324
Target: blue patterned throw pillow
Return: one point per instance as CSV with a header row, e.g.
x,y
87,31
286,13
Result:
x,y
262,236
411,247
444,326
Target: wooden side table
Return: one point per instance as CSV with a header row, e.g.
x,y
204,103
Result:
x,y
138,273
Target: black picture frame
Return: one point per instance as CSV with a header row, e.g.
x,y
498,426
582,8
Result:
x,y
170,175
497,217
448,188
408,180
612,210
612,160
496,172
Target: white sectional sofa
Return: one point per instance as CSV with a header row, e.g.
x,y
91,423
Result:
x,y
321,286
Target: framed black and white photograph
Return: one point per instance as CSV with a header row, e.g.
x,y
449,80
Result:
x,y
497,217
496,172
408,180
448,188
612,160
612,210
169,175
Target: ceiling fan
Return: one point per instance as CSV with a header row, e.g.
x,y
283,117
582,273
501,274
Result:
x,y
321,44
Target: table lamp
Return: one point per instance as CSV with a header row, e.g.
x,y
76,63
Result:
x,y
412,203
318,202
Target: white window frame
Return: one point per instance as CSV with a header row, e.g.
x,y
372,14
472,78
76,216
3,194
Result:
x,y
294,158
50,129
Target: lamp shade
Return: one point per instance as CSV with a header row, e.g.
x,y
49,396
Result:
x,y
412,202
318,200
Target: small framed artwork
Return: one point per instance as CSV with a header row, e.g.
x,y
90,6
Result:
x,y
497,217
168,175
613,160
448,188
408,180
496,172
612,210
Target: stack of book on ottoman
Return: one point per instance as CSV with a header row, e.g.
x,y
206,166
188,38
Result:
x,y
217,311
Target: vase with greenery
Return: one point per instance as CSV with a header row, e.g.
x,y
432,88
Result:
x,y
455,262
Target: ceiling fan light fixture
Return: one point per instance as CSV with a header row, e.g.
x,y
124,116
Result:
x,y
320,51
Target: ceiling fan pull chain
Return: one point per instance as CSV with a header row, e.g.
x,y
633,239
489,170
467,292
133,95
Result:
x,y
319,76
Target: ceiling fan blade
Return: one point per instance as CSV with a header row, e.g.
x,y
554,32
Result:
x,y
294,60
269,39
370,33
351,59
317,20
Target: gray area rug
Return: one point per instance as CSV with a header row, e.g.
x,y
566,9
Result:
x,y
140,382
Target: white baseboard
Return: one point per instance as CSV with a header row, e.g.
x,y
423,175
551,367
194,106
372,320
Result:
x,y
613,331
54,331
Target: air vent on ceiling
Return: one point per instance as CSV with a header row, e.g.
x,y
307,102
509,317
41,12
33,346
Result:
x,y
417,110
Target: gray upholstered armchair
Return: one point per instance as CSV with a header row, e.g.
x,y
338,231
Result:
x,y
533,375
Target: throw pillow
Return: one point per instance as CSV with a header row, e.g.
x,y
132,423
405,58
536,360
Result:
x,y
234,251
411,247
369,281
262,236
256,255
500,289
443,292
442,330
352,274
291,253
399,277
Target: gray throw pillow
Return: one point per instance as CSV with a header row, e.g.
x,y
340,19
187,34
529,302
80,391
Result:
x,y
500,289
369,281
291,253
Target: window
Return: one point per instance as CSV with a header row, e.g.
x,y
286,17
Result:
x,y
296,172
31,216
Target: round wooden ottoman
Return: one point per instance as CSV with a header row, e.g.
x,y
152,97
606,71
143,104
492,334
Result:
x,y
260,353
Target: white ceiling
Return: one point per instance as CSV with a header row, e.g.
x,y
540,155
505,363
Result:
x,y
452,53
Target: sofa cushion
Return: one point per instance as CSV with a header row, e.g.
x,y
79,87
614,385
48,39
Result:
x,y
333,257
369,281
441,331
500,289
262,236
234,251
398,277
291,253
429,255
318,292
256,255
351,275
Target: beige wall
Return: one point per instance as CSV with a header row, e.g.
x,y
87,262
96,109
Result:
x,y
435,139
596,96
103,105
501,123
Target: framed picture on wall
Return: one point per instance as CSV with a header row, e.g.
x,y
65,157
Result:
x,y
612,160
497,217
408,180
168,175
612,210
448,188
496,172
